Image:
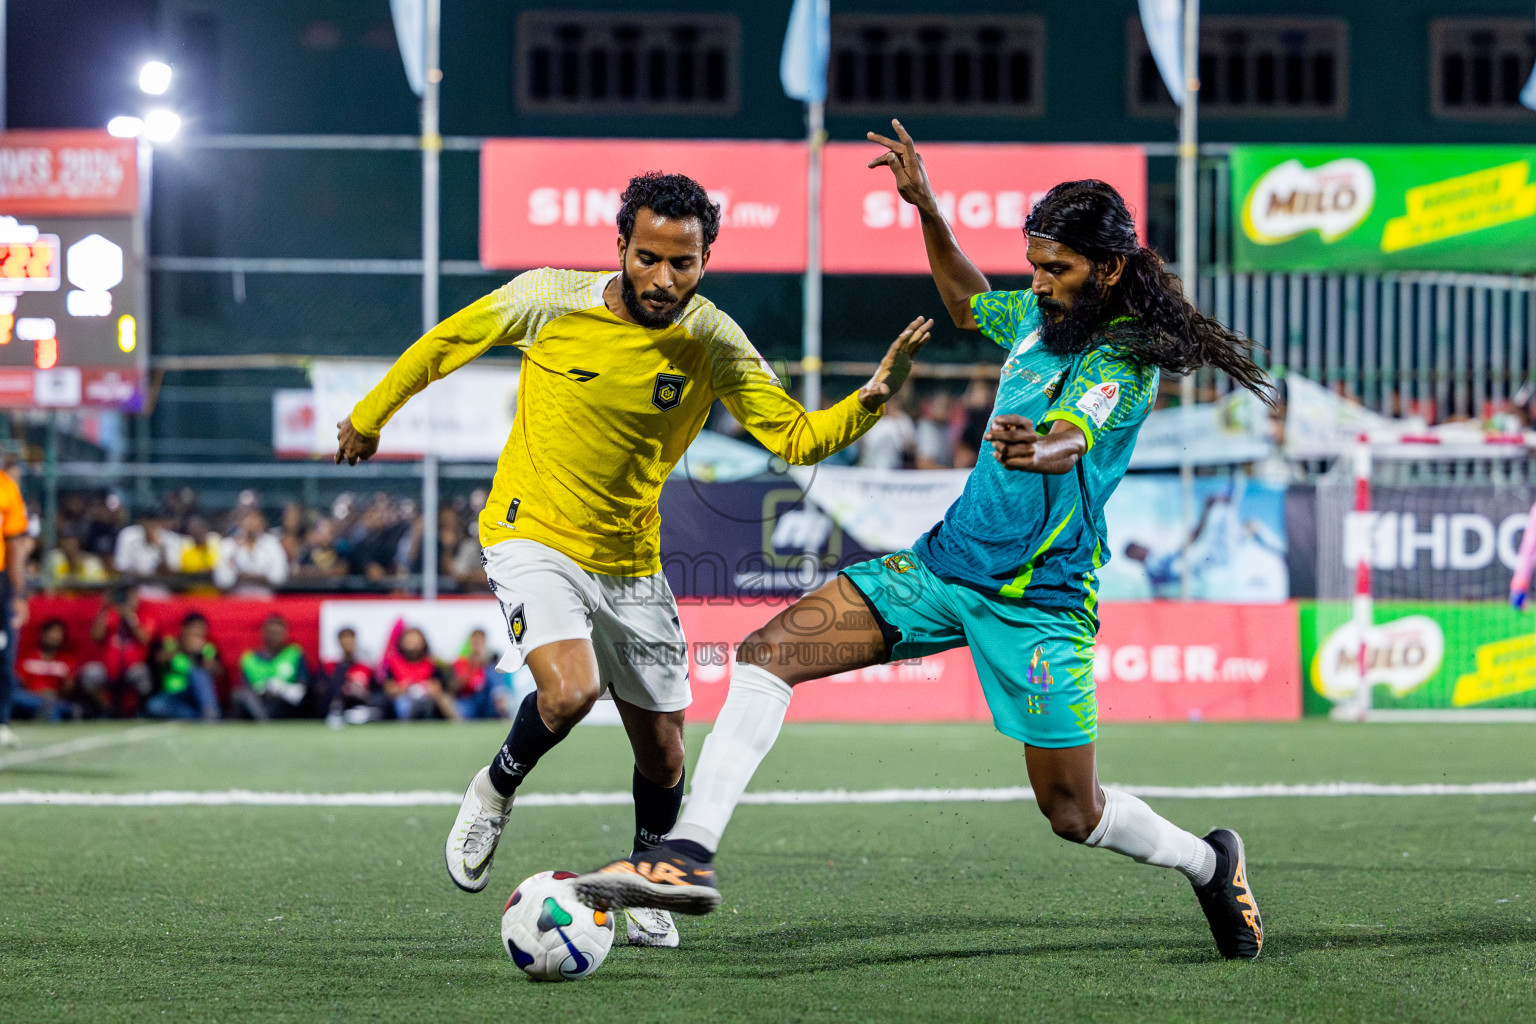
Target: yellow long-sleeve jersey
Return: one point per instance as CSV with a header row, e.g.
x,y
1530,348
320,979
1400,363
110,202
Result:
x,y
605,409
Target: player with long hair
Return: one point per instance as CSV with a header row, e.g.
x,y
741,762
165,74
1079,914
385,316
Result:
x,y
619,371
1011,571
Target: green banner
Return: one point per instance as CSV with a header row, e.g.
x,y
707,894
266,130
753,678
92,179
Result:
x,y
1422,655
1319,208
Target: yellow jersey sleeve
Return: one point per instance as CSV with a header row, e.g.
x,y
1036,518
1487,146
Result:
x,y
510,315
750,390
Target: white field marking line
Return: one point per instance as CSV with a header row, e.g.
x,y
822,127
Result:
x,y
83,745
443,798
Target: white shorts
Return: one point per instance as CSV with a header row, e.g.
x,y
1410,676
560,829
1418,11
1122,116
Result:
x,y
631,621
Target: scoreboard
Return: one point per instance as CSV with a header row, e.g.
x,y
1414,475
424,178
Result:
x,y
72,272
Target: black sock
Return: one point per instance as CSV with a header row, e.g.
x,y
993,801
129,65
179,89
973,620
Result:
x,y
529,740
656,810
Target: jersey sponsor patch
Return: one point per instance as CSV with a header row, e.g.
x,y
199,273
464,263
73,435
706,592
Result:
x,y
1099,401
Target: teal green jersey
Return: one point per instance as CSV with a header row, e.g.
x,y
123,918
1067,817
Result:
x,y
1033,535
1108,398
1003,520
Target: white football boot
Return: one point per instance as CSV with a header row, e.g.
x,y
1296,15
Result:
x,y
647,927
8,737
472,843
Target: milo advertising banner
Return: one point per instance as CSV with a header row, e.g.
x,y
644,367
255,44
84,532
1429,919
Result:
x,y
1446,208
1439,656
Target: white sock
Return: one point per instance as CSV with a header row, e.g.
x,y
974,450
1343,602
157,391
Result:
x,y
1130,827
743,734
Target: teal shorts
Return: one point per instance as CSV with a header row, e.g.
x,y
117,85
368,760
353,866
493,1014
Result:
x,y
1035,665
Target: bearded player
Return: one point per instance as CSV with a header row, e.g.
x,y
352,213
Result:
x,y
1011,571
619,372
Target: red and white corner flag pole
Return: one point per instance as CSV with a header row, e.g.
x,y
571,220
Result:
x,y
1363,616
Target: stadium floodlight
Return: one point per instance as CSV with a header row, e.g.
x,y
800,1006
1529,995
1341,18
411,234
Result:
x,y
161,125
126,126
155,78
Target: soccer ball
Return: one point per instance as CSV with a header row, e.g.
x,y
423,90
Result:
x,y
550,934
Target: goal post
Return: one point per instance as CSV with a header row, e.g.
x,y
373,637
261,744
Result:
x,y
1416,539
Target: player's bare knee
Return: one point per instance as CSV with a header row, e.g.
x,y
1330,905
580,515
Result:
x,y
562,707
764,648
1069,818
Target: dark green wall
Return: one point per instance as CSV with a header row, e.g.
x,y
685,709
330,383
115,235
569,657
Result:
x,y
303,66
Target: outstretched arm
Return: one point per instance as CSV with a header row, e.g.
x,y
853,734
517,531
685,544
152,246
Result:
x,y
497,319
802,437
957,277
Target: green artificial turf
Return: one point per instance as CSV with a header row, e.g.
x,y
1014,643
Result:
x,y
1378,909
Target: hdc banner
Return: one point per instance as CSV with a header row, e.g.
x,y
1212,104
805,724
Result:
x,y
1316,208
1448,543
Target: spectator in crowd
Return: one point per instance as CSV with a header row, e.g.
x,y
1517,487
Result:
x,y
976,416
888,444
467,570
290,534
180,506
458,557
105,521
148,548
201,555
479,689
414,682
374,539
189,674
47,676
123,635
348,690
931,435
70,564
319,557
251,562
274,678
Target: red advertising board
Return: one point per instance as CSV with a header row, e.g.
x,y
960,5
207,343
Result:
x,y
67,173
985,189
1159,662
1156,662
552,202
1170,662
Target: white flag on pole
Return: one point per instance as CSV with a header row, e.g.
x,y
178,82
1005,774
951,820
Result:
x,y
1163,22
410,18
807,42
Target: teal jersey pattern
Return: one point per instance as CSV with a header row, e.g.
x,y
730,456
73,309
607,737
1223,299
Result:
x,y
1003,520
1032,535
1108,398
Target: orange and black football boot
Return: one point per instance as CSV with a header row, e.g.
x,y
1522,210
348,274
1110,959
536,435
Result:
x,y
1228,900
674,876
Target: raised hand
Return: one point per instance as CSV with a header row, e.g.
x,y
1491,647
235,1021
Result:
x,y
902,158
351,446
897,364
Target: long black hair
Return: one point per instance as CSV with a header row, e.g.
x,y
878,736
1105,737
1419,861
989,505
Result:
x,y
1091,218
